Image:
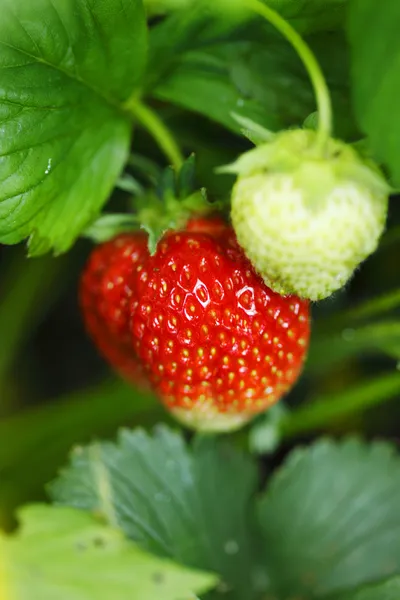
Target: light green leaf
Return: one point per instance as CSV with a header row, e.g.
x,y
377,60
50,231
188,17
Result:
x,y
265,435
375,42
187,504
109,225
330,518
387,590
65,554
65,70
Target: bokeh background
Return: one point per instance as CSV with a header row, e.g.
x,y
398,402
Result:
x,y
56,391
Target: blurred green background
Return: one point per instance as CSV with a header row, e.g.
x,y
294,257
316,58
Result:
x,y
55,391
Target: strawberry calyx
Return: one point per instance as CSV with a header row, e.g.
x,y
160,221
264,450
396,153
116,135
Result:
x,y
158,215
294,152
167,206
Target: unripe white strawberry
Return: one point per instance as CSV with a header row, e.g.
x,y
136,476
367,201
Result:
x,y
306,220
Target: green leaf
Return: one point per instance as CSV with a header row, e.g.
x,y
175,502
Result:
x,y
67,554
109,225
388,590
328,349
330,518
253,131
156,7
65,70
311,15
265,435
186,178
373,34
129,184
198,24
193,85
189,504
251,79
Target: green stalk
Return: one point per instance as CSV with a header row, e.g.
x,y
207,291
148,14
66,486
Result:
x,y
155,126
311,64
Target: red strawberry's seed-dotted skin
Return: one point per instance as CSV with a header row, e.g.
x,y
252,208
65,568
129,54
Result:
x,y
208,330
105,293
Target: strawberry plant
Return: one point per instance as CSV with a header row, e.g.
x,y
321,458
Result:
x,y
199,317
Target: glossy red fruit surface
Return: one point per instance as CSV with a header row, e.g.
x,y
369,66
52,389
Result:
x,y
196,322
106,291
217,344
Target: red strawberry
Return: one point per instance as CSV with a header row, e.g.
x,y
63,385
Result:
x,y
217,344
105,292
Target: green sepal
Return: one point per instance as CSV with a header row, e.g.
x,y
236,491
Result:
x,y
157,216
168,206
109,225
293,152
256,133
174,202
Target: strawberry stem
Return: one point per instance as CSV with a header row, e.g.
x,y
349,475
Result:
x,y
317,78
160,132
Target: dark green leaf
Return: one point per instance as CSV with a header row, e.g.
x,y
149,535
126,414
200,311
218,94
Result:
x,y
263,81
311,15
194,86
198,24
67,554
330,518
187,504
186,177
65,69
375,43
166,187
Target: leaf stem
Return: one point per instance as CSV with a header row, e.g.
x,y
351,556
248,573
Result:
x,y
311,64
151,121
